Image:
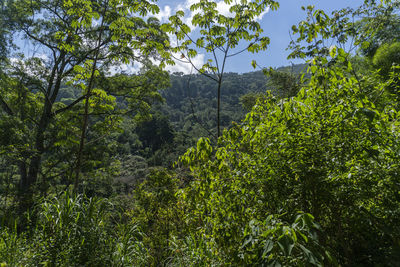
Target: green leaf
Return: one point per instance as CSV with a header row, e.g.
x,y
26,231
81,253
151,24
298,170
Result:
x,y
286,244
268,246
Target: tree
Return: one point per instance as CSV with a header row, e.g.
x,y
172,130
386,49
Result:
x,y
6,27
330,151
156,132
283,83
80,39
250,99
220,36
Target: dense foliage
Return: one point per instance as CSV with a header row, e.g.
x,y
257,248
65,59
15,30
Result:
x,y
308,177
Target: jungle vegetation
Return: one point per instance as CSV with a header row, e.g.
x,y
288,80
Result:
x,y
295,166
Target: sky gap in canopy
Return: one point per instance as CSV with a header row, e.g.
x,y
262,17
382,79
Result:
x,y
276,25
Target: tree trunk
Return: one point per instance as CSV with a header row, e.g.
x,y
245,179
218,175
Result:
x,y
28,181
86,112
29,177
218,107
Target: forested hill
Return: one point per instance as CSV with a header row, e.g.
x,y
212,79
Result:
x,y
191,100
190,111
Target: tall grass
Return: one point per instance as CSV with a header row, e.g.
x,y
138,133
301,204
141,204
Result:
x,y
74,231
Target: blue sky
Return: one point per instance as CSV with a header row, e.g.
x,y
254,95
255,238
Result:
x,y
276,25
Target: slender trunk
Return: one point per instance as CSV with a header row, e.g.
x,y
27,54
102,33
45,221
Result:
x,y
22,165
82,142
86,112
220,77
219,107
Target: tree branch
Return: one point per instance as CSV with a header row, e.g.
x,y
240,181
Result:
x,y
58,111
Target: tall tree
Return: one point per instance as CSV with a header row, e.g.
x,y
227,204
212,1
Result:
x,y
220,36
76,41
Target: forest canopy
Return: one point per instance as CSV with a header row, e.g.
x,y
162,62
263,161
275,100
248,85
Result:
x,y
296,166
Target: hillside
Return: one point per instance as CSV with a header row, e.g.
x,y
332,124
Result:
x,y
190,102
189,112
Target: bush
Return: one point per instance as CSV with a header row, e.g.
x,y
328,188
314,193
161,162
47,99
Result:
x,y
331,151
12,247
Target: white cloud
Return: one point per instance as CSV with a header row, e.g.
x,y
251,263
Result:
x,y
186,5
15,61
187,68
179,66
22,61
126,68
260,17
164,14
223,9
43,57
